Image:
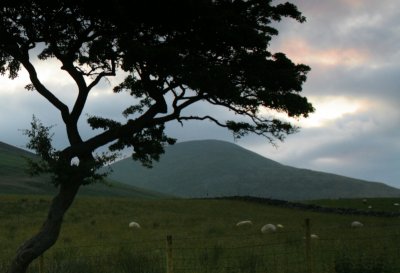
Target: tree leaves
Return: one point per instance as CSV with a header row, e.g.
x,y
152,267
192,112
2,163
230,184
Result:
x,y
52,162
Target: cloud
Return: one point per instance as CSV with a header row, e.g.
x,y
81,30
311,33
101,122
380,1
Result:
x,y
303,51
370,27
329,109
361,144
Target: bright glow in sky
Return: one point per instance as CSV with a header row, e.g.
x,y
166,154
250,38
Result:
x,y
328,110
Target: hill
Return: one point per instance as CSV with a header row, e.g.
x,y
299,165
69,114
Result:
x,y
15,180
213,168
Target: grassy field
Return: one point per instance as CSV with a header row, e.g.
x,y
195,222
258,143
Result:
x,y
205,238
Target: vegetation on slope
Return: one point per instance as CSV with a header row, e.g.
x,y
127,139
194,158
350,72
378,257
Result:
x,y
14,179
215,168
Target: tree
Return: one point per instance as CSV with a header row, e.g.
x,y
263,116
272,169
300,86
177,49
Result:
x,y
177,53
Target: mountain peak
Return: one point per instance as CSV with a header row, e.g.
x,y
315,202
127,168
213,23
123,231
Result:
x,y
216,168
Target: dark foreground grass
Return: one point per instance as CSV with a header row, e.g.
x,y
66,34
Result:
x,y
205,238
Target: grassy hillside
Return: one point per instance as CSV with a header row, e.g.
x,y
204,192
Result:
x,y
96,237
217,168
15,180
11,159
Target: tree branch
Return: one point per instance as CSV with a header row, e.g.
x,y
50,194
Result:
x,y
44,91
102,75
231,107
131,127
203,118
153,91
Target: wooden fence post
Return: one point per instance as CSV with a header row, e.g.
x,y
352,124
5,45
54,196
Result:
x,y
41,264
170,268
308,246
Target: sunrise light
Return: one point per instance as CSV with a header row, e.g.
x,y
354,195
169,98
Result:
x,y
329,109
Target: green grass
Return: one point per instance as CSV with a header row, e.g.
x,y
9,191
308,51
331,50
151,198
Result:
x,y
96,238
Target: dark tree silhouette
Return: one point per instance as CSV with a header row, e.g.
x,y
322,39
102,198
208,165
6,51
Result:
x,y
177,53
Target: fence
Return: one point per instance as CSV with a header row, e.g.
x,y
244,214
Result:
x,y
339,249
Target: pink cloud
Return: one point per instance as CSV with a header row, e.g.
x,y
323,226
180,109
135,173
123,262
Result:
x,y
353,3
300,51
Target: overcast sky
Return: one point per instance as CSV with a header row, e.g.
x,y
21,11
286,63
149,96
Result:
x,y
353,48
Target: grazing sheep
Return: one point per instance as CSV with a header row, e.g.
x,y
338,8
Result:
x,y
312,236
279,226
134,225
268,228
356,224
396,204
244,223
370,207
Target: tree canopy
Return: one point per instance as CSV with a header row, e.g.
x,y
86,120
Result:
x,y
175,53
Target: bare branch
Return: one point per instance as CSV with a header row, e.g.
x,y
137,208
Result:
x,y
102,75
231,107
42,90
203,118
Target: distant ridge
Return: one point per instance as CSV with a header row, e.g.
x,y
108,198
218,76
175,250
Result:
x,y
211,168
15,180
4,147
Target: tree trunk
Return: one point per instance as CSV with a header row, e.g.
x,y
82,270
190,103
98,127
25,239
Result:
x,y
49,232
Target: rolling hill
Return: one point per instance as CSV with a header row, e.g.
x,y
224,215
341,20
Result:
x,y
15,180
213,168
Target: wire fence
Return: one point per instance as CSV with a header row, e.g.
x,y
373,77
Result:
x,y
339,249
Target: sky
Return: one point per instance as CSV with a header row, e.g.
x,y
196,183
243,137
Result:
x,y
353,49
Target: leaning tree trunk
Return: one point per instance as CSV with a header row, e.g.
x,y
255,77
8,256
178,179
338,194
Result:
x,y
48,233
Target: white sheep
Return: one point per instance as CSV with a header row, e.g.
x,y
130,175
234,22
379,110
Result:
x,y
396,204
268,228
356,224
312,236
369,207
134,225
279,226
244,223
